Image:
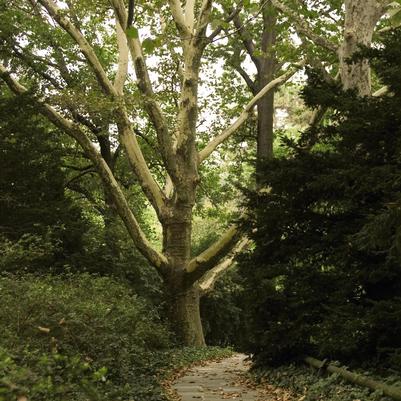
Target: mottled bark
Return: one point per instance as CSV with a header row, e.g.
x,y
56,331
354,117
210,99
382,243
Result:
x,y
182,293
361,17
184,310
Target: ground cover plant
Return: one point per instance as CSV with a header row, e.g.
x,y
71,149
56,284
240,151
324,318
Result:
x,y
309,384
84,337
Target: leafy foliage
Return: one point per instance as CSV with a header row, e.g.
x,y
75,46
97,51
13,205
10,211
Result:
x,y
96,320
80,337
34,210
222,316
324,276
310,385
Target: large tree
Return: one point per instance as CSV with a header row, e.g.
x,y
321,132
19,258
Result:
x,y
65,52
73,59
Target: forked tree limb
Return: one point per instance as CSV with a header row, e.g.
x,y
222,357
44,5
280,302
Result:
x,y
245,76
209,258
203,17
73,130
246,40
216,141
144,83
179,19
137,161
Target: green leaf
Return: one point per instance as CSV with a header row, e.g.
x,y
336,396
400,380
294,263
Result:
x,y
132,32
148,45
216,22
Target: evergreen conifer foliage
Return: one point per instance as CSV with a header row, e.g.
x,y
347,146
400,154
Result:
x,y
327,226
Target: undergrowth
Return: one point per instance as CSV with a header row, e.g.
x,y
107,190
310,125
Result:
x,y
84,338
312,385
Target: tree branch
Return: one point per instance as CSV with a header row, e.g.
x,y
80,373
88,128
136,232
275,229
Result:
x,y
215,142
205,261
245,76
79,175
145,87
303,28
179,19
74,131
75,187
219,28
29,59
122,69
134,153
190,14
203,17
209,280
83,44
382,91
246,40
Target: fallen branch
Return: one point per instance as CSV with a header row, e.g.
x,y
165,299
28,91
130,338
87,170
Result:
x,y
355,378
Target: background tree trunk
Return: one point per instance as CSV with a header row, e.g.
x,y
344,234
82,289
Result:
x,y
361,17
265,107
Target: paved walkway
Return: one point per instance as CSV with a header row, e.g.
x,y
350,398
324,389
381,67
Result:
x,y
216,381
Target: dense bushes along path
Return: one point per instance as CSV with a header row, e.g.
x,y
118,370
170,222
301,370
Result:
x,y
223,380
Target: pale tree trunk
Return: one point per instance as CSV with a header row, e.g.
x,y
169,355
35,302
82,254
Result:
x,y
360,20
361,17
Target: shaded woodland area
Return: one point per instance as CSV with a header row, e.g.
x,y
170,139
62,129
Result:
x,y
179,180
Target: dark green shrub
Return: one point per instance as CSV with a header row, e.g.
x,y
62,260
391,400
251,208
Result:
x,y
325,274
222,316
33,201
85,323
52,377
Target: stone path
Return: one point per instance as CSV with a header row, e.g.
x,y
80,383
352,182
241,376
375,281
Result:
x,y
216,381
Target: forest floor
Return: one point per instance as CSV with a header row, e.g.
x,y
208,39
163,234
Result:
x,y
225,380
